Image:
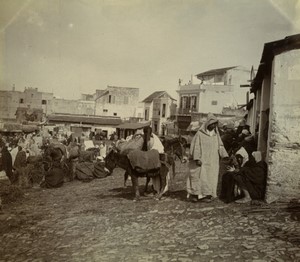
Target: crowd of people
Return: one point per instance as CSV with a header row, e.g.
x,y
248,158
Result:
x,y
46,161
50,160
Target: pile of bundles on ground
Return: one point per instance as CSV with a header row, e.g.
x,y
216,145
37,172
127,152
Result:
x,y
62,164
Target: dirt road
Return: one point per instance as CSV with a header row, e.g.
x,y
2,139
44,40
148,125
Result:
x,y
98,221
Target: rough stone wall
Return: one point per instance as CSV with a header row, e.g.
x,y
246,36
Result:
x,y
284,129
64,106
9,103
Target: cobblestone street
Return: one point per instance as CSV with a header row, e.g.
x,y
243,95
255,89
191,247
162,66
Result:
x,y
98,221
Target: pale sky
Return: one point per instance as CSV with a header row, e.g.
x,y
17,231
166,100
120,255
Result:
x,y
70,47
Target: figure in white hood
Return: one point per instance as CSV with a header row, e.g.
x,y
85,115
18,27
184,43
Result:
x,y
205,151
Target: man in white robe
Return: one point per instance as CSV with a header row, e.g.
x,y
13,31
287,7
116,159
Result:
x,y
205,151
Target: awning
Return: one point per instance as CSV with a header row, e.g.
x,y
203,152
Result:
x,y
83,119
133,126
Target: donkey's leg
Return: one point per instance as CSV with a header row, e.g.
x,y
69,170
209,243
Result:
x,y
172,163
146,185
125,178
135,183
163,172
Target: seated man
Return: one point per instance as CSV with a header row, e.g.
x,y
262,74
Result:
x,y
251,179
239,159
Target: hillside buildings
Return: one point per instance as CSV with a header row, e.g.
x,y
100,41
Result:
x,y
112,101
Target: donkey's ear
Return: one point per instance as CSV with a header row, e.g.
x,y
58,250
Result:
x,y
115,149
181,139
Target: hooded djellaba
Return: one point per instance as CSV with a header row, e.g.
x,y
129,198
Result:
x,y
205,150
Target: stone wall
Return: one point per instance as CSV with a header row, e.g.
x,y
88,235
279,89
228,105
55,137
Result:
x,y
284,129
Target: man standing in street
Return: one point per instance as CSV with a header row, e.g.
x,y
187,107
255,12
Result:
x,y
205,150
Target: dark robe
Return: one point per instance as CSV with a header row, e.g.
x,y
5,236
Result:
x,y
251,177
20,160
6,163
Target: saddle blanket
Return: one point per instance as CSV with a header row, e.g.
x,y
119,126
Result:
x,y
146,160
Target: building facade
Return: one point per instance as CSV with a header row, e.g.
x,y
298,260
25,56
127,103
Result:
x,y
30,99
219,89
158,108
9,103
275,114
117,101
113,101
65,106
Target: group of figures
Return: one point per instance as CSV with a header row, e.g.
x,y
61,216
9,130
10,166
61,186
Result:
x,y
145,155
245,179
18,154
31,159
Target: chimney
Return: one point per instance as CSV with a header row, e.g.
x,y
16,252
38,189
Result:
x,y
13,87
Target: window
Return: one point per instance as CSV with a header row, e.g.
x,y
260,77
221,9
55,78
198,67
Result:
x,y
194,102
44,102
105,110
188,105
111,99
115,114
155,127
126,100
214,102
184,102
163,110
21,101
146,114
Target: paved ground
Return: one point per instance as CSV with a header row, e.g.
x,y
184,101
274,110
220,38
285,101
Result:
x,y
98,221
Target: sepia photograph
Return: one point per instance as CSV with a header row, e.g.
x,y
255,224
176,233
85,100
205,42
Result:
x,y
150,130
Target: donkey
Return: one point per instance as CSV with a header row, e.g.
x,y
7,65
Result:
x,y
114,159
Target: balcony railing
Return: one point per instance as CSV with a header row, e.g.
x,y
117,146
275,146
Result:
x,y
185,111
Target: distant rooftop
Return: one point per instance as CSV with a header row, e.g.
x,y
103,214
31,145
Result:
x,y
154,95
217,71
122,87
